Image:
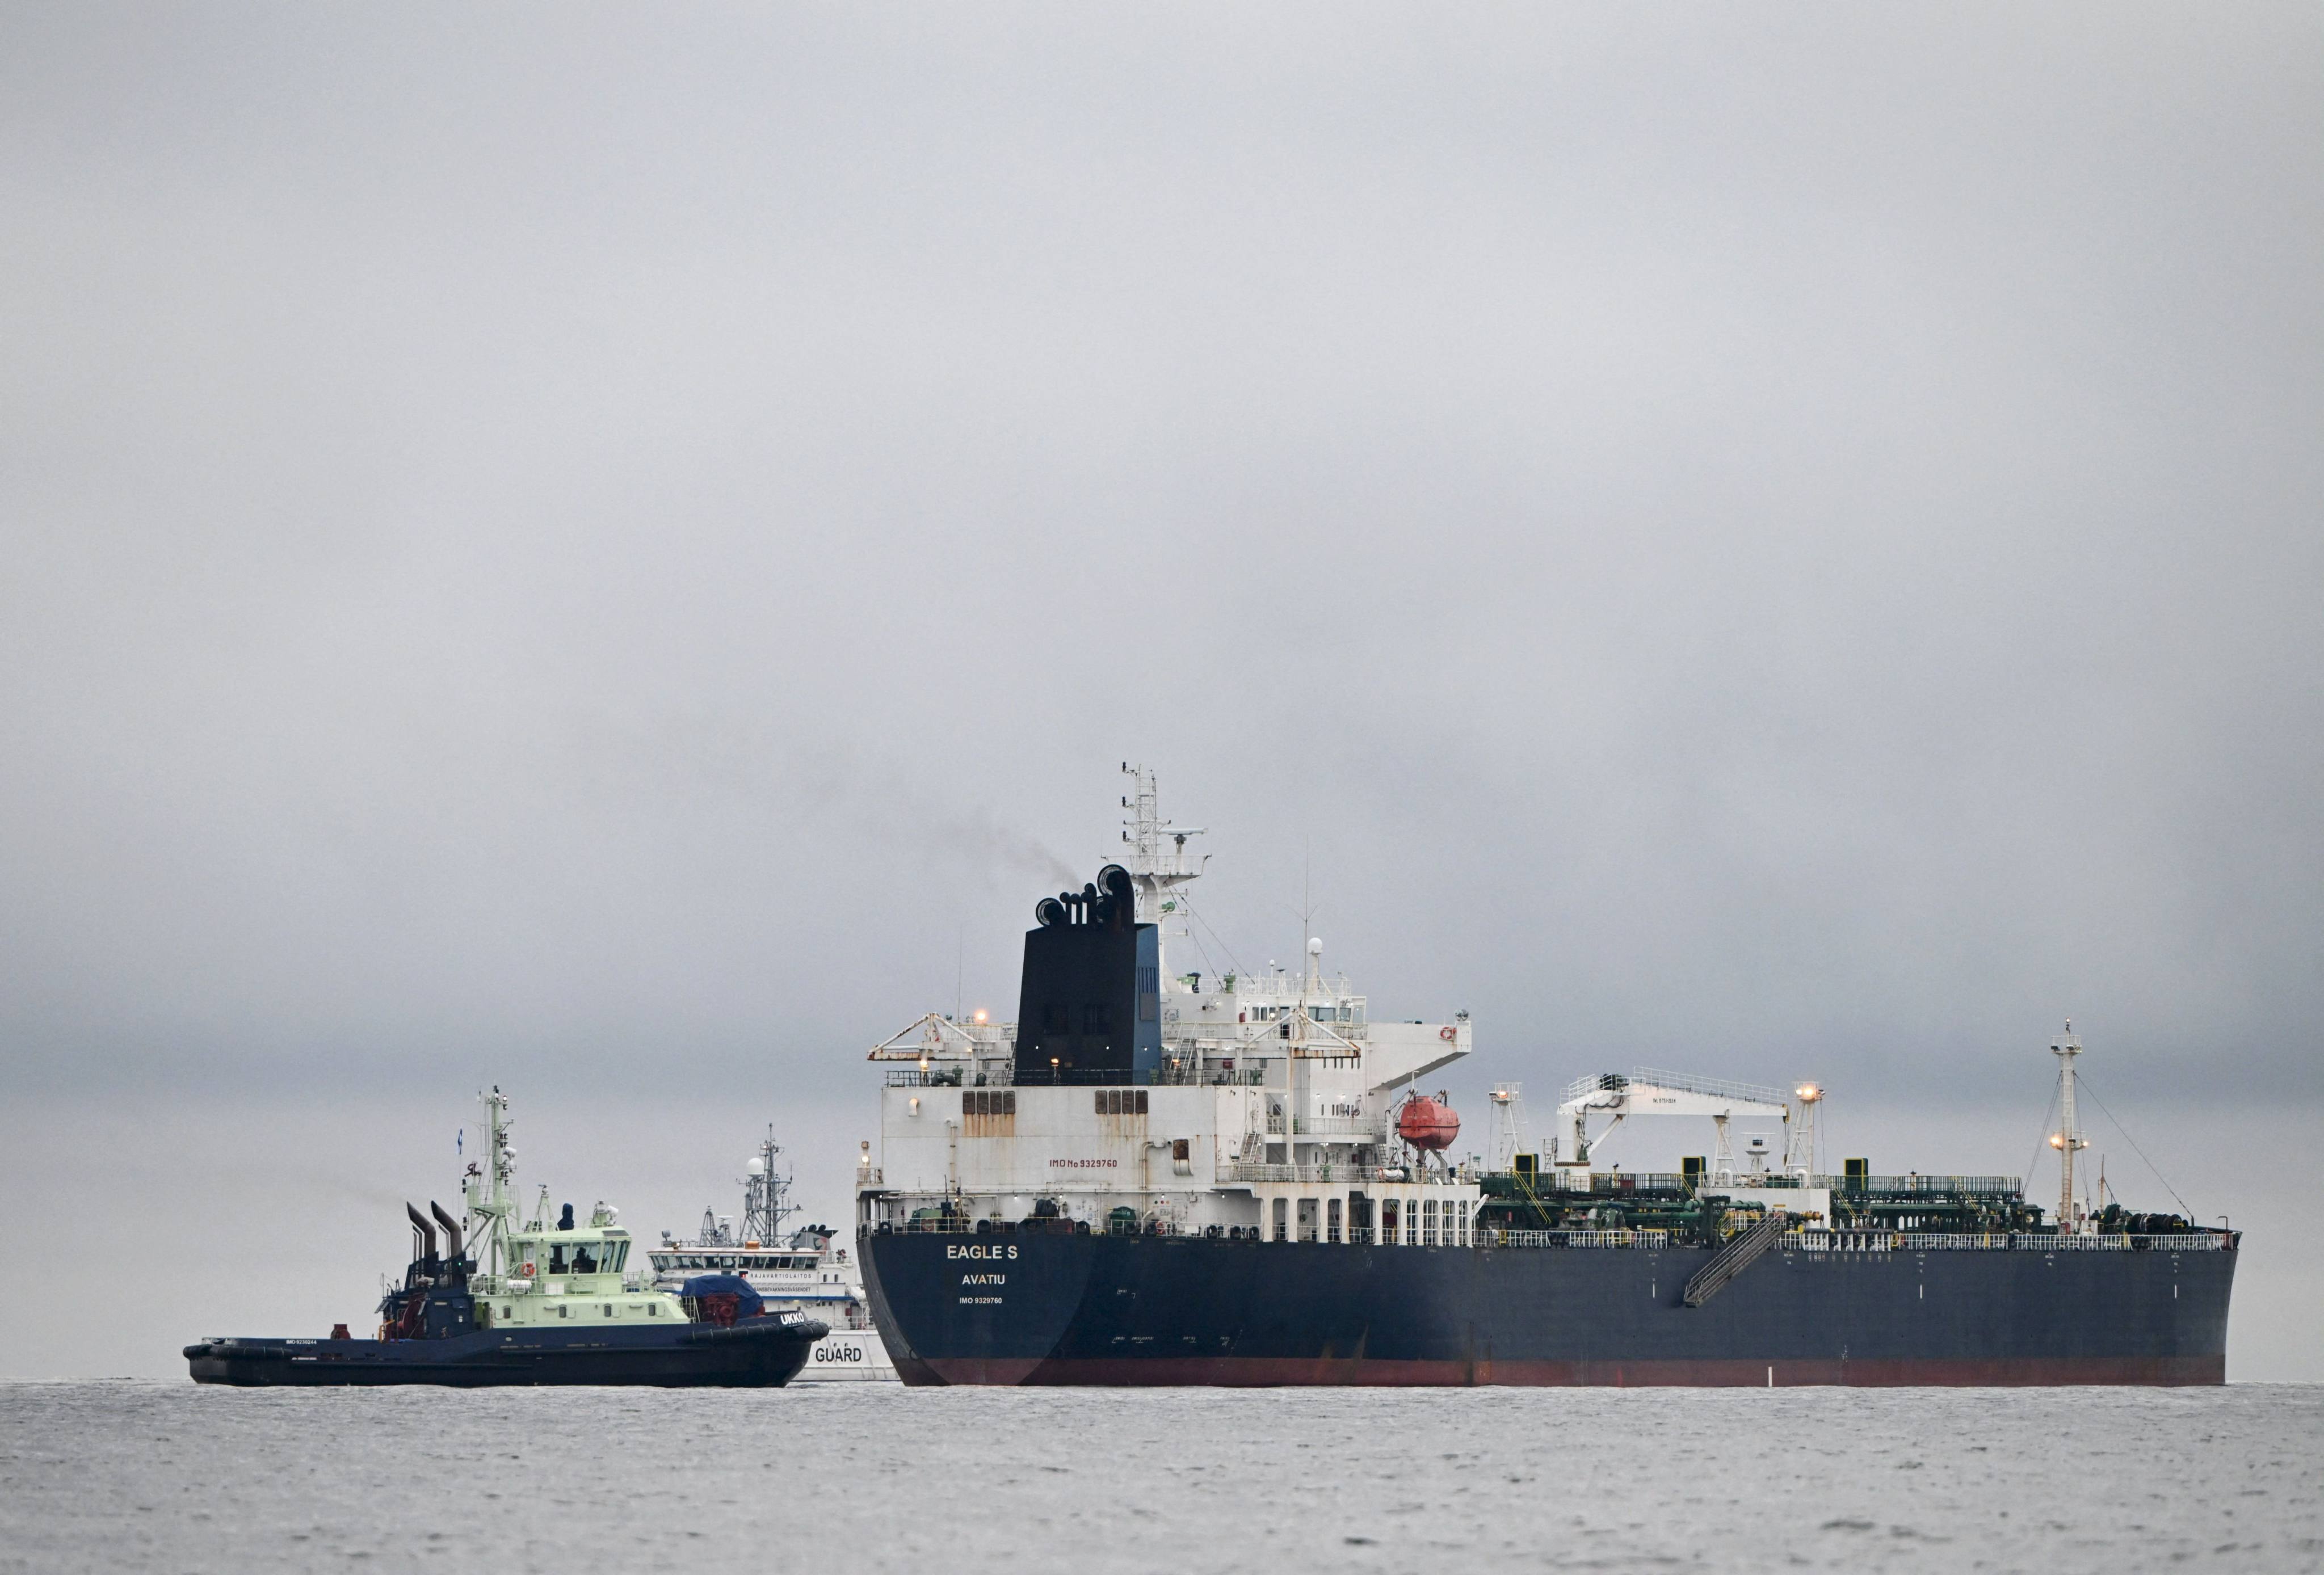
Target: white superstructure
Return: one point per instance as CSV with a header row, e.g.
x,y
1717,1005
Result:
x,y
1271,1109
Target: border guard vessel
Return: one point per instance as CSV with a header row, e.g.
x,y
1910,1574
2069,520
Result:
x,y
808,1271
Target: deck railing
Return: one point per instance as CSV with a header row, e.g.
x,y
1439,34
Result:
x,y
1244,1171
1001,1074
1997,1241
1651,1241
1795,1241
2004,1186
1325,1127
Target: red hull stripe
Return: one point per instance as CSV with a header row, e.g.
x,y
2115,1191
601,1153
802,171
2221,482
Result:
x,y
1240,1372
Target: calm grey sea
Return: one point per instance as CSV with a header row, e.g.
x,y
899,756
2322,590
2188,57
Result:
x,y
844,1479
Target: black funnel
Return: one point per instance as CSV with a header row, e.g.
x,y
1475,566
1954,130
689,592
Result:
x,y
427,1233
451,1230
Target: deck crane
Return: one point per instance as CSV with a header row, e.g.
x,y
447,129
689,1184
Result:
x,y
1647,1092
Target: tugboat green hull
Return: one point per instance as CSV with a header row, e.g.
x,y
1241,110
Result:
x,y
763,1353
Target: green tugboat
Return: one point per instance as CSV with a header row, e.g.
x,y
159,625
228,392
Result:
x,y
492,1301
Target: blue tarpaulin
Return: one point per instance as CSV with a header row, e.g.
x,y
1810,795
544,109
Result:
x,y
725,1300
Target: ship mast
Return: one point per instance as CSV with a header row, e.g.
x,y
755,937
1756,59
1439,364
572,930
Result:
x,y
1800,1135
1154,876
488,1186
2069,1136
764,1192
1509,1125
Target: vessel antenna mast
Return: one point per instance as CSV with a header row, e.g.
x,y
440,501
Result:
x,y
2069,1136
489,1182
765,1192
1155,874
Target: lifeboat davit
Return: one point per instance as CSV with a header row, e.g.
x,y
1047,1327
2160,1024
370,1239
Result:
x,y
1425,1123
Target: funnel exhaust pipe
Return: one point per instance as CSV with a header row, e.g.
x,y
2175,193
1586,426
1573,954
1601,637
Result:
x,y
427,1232
451,1230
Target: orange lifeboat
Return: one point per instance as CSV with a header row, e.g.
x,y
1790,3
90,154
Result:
x,y
1425,1123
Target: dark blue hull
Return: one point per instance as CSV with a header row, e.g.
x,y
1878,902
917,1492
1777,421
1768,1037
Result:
x,y
1026,1308
684,1355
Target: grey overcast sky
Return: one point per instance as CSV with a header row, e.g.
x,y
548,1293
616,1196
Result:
x,y
599,546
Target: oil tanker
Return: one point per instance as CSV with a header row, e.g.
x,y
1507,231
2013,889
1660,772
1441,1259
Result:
x,y
1236,1178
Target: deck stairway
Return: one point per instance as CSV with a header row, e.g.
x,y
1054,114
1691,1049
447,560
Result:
x,y
1735,1257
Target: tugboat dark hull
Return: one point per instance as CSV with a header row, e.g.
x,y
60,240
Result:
x,y
1028,1308
687,1356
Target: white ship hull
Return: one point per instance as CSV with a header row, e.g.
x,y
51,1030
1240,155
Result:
x,y
854,1356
